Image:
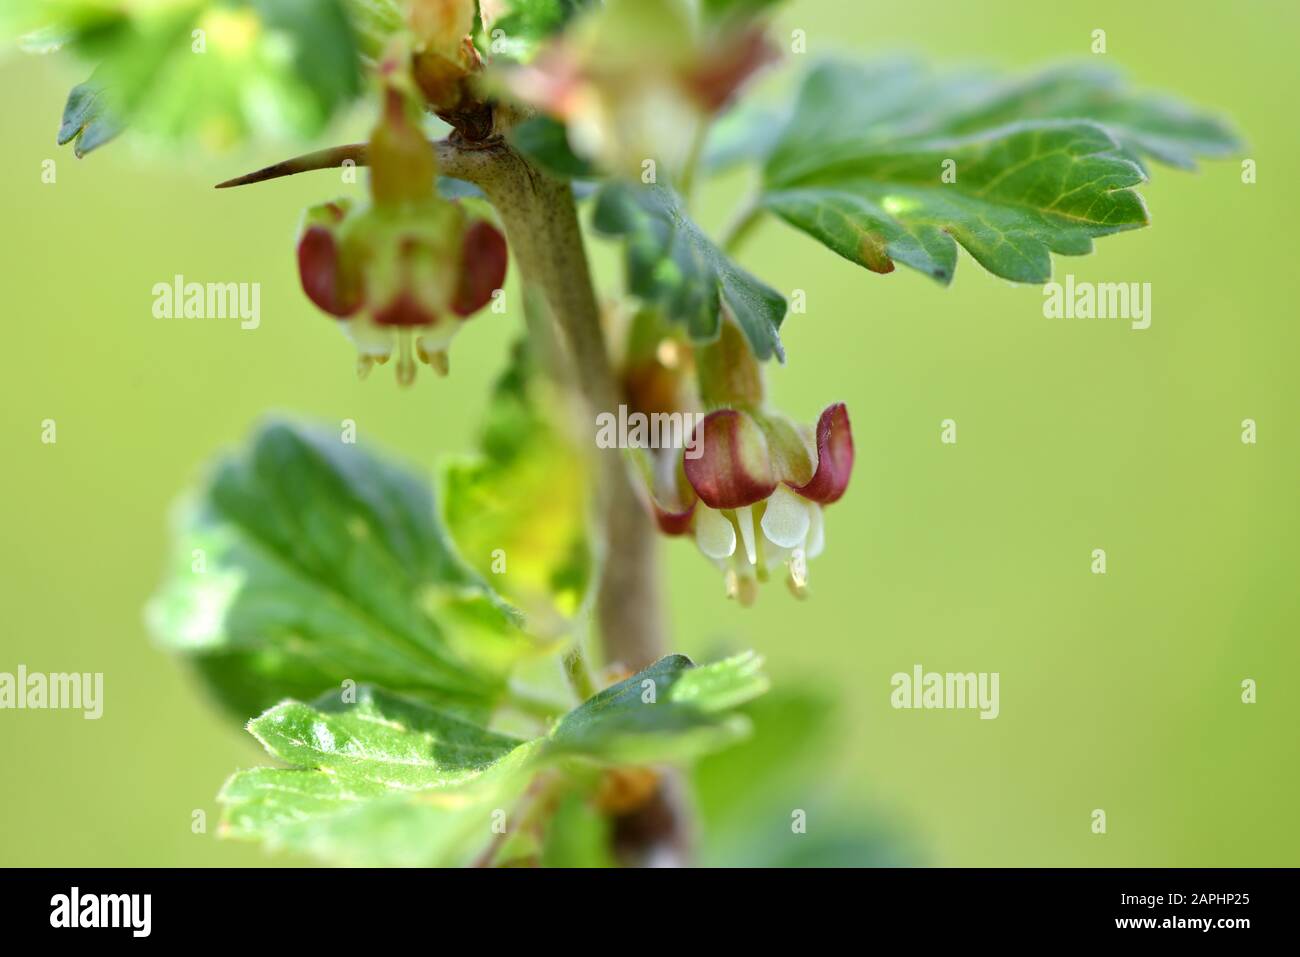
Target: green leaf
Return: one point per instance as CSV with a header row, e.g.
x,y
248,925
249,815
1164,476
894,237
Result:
x,y
348,822
1021,192
1044,165
671,711
375,23
746,133
545,141
308,562
577,836
381,738
672,263
385,779
516,29
216,72
1144,124
518,512
86,119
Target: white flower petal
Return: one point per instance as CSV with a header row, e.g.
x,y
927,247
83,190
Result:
x,y
713,533
369,338
787,518
816,532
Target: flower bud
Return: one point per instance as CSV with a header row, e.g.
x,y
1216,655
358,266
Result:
x,y
445,57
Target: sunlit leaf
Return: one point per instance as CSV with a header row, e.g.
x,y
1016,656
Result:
x,y
383,779
518,512
308,562
885,162
202,70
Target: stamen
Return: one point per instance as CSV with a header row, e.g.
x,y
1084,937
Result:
x,y
799,569
364,364
745,519
405,363
747,591
437,359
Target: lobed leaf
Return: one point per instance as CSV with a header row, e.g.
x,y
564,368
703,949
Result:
x,y
1041,165
86,121
1021,192
388,780
345,821
672,263
307,562
380,738
217,72
671,711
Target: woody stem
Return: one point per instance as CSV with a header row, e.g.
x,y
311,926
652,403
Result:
x,y
542,228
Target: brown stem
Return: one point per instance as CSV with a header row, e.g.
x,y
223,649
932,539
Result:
x,y
542,228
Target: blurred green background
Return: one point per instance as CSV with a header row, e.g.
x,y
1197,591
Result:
x,y
1119,692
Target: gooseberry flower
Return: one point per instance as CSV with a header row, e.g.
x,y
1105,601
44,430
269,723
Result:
x,y
634,78
404,279
750,488
407,270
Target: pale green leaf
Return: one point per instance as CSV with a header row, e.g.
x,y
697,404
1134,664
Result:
x,y
307,562
385,779
203,70
345,821
577,836
378,780
380,738
518,511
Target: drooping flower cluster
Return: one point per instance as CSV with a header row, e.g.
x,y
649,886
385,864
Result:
x,y
750,485
750,489
404,272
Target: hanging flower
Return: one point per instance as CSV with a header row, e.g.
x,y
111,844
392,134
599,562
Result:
x,y
635,79
750,488
405,272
